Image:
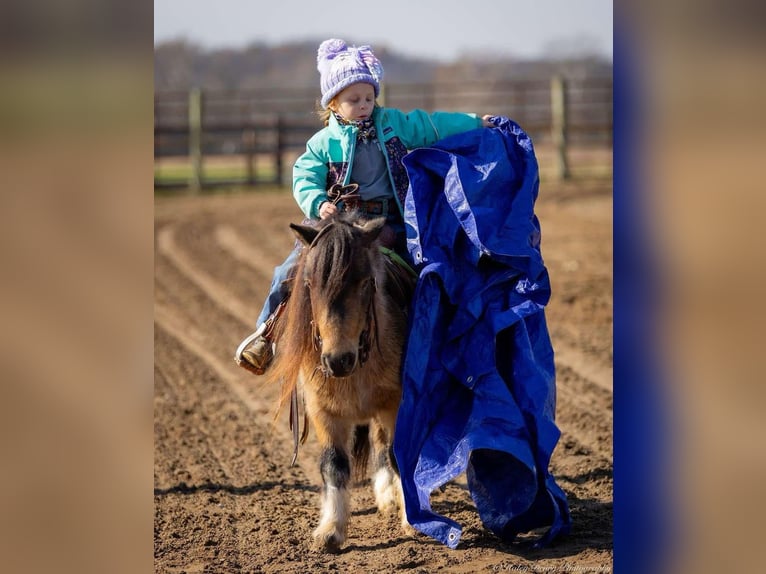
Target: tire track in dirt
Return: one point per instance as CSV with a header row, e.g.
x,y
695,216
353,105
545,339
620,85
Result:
x,y
212,327
185,334
192,459
259,399
588,369
222,450
215,291
230,241
188,329
584,416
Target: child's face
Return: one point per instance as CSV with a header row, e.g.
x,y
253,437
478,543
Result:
x,y
355,102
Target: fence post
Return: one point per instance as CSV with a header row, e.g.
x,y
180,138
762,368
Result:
x,y
430,99
248,141
195,138
278,168
559,126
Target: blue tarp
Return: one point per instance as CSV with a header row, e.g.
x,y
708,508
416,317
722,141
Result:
x,y
479,381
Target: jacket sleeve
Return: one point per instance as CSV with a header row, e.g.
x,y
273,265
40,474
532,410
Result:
x,y
310,180
419,128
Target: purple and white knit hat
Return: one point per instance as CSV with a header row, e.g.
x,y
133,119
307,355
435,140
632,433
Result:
x,y
341,65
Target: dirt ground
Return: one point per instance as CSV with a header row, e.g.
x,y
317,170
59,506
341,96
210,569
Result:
x,y
227,500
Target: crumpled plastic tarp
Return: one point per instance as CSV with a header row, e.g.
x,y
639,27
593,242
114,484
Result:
x,y
479,381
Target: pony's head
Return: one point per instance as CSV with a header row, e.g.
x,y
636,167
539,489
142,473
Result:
x,y
340,269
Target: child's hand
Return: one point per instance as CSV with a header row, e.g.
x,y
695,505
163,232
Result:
x,y
485,121
327,209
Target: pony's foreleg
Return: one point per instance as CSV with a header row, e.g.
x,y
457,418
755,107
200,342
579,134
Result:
x,y
384,478
336,475
386,482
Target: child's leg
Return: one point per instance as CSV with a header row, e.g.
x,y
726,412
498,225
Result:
x,y
255,352
280,286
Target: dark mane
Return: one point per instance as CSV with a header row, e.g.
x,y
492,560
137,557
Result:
x,y
336,258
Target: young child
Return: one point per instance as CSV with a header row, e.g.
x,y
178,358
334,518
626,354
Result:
x,y
354,162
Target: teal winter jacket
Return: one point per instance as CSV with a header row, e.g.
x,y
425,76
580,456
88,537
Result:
x,y
329,153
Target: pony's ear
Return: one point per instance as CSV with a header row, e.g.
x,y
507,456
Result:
x,y
371,229
305,233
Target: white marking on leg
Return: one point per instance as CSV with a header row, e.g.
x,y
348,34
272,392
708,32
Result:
x,y
385,490
333,522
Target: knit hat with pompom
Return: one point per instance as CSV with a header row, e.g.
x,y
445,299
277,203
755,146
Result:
x,y
341,65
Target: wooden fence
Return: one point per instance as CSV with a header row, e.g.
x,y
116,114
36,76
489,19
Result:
x,y
197,133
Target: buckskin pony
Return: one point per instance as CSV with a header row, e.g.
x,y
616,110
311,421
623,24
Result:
x,y
341,342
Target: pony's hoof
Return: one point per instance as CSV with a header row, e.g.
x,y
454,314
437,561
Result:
x,y
385,499
387,508
329,540
408,529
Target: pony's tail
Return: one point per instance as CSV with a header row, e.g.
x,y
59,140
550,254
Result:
x,y
360,453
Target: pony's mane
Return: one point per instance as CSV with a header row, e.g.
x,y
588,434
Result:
x,y
334,255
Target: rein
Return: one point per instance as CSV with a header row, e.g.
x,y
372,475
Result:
x,y
370,331
348,194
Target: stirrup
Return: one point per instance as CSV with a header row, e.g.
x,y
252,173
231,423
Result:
x,y
266,331
238,354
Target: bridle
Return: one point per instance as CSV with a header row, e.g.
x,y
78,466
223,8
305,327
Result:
x,y
370,331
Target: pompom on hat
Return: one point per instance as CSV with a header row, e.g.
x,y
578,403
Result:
x,y
341,65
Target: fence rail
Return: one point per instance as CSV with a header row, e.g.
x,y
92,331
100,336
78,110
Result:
x,y
266,129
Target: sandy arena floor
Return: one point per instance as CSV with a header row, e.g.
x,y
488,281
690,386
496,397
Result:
x,y
226,499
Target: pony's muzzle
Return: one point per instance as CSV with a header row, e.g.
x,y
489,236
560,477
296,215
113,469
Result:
x,y
340,364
